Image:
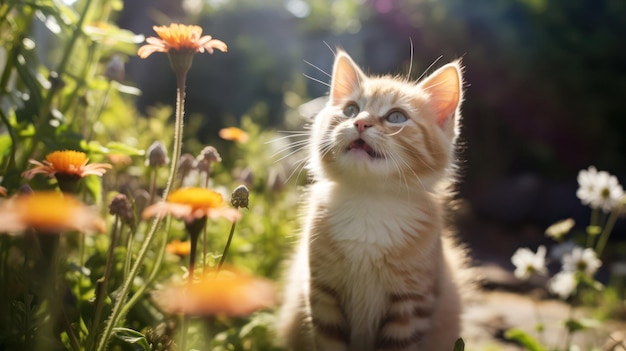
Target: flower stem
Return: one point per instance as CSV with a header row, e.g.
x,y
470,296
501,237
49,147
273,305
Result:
x,y
230,238
148,282
102,285
116,314
606,232
192,256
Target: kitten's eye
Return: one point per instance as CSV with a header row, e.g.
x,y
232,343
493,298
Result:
x,y
351,110
396,117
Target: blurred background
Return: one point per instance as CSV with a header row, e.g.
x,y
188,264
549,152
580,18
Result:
x,y
545,88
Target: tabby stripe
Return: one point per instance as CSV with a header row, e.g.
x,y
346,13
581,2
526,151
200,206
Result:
x,y
332,331
418,312
316,285
395,298
387,342
430,147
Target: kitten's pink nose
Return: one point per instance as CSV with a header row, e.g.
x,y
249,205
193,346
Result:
x,y
361,124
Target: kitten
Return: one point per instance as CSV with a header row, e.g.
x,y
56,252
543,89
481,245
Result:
x,y
374,269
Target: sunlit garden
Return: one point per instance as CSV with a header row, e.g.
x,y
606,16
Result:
x,y
153,164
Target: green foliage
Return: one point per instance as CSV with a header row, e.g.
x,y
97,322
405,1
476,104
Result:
x,y
133,337
524,339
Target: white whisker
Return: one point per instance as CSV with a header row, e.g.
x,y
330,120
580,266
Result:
x,y
408,76
286,137
396,133
316,80
289,154
317,68
429,67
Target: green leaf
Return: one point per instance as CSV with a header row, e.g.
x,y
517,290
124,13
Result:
x,y
133,337
524,339
94,187
574,325
117,147
459,345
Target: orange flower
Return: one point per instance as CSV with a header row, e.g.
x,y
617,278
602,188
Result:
x,y
178,248
3,191
193,203
48,212
68,162
180,38
230,293
234,134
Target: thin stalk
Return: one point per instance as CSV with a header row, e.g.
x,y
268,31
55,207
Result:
x,y
606,232
230,238
152,188
593,223
103,285
148,282
129,253
126,286
73,338
204,230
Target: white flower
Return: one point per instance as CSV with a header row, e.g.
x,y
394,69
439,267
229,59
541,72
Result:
x,y
581,260
599,189
526,262
563,284
560,228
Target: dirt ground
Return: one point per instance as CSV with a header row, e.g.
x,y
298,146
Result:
x,y
493,312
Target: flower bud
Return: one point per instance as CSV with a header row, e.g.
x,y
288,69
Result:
x,y
186,165
239,197
207,157
157,155
115,69
121,207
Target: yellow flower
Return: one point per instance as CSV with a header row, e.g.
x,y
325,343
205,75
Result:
x,y
180,38
192,203
230,293
47,212
68,162
178,248
234,134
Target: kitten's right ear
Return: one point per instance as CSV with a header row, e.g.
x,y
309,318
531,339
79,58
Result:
x,y
347,77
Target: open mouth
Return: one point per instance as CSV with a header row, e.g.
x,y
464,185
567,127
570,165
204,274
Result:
x,y
360,144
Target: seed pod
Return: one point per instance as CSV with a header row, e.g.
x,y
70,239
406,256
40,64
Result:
x,y
239,197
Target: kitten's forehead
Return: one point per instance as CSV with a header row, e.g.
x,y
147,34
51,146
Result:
x,y
383,93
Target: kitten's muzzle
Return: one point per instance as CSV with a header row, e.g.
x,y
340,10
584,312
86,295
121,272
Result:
x,y
360,144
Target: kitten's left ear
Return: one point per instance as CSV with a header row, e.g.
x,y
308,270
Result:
x,y
346,79
444,88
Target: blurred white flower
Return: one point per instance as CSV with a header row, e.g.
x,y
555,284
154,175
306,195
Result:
x,y
527,262
558,230
581,260
599,189
563,284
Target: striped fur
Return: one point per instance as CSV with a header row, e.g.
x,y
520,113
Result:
x,y
373,269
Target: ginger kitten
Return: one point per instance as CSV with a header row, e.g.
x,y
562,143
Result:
x,y
374,269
